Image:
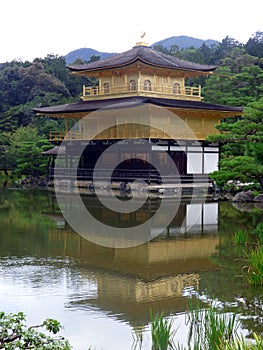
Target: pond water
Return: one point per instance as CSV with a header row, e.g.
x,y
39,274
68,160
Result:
x,y
102,294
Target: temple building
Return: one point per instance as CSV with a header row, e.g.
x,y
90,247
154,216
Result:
x,y
141,121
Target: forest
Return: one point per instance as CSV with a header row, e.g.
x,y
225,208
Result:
x,y
237,81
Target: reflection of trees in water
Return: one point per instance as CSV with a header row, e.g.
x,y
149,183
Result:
x,y
239,215
237,295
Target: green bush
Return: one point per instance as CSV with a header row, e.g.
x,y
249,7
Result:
x,y
16,335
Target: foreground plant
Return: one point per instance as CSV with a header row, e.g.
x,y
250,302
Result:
x,y
255,268
137,338
162,333
241,344
210,329
240,237
258,232
15,335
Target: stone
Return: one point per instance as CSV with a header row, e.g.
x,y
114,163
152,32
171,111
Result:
x,y
243,196
259,198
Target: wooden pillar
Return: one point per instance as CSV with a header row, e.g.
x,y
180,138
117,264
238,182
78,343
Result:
x,y
80,129
139,79
66,125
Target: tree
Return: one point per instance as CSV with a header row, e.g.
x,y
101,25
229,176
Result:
x,y
192,54
25,85
242,148
4,159
237,59
224,48
25,152
16,335
234,89
254,46
161,48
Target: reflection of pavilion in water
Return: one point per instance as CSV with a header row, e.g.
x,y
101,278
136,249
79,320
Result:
x,y
156,275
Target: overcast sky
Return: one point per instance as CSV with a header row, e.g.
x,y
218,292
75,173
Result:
x,y
32,28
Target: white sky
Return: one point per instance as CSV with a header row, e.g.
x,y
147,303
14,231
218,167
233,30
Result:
x,y
33,28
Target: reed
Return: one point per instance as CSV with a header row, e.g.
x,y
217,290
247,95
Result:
x,y
137,338
162,333
258,232
210,329
240,237
255,268
241,344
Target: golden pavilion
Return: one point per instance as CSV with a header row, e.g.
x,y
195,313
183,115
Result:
x,y
141,116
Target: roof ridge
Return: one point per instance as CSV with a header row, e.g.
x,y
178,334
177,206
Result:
x,y
162,55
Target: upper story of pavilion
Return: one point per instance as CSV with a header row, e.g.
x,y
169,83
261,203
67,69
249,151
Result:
x,y
142,71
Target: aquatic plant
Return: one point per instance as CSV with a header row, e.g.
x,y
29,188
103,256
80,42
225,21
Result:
x,y
210,328
241,344
255,268
258,232
161,331
240,236
137,337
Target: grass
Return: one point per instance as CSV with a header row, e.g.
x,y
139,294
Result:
x,y
138,337
255,268
258,232
241,344
240,237
209,329
162,333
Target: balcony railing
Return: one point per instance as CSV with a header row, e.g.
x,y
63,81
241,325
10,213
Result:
x,y
70,135
148,175
157,90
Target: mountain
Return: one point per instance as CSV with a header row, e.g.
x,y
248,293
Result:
x,y
181,41
85,54
184,42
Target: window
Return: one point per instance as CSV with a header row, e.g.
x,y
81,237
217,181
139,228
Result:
x,y
106,88
132,85
176,88
147,85
120,80
194,163
210,162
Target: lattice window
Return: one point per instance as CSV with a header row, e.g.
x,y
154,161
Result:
x,y
147,85
176,88
132,85
106,88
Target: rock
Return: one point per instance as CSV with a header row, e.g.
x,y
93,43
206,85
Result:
x,y
42,183
243,207
244,197
258,205
259,198
228,196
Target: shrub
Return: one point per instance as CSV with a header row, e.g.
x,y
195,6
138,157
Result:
x,y
15,335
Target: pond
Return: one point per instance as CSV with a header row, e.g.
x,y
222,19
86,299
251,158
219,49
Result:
x,y
102,293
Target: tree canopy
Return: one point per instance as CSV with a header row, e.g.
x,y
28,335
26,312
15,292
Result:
x,y
242,148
